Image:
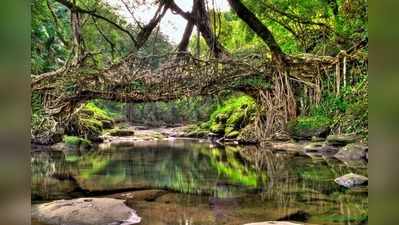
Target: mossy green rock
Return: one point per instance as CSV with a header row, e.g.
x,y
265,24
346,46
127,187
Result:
x,y
233,134
228,130
308,127
198,134
89,122
222,118
121,133
236,119
233,115
74,141
217,128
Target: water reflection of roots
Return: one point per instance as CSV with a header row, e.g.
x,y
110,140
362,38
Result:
x,y
279,180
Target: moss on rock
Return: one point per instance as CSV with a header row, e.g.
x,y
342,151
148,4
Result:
x,y
76,141
217,128
233,134
232,115
90,121
306,127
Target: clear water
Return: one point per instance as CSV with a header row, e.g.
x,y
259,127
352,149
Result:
x,y
206,185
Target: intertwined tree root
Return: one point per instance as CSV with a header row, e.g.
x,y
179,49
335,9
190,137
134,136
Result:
x,y
168,77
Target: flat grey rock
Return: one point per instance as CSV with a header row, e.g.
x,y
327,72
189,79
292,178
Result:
x,y
351,180
85,211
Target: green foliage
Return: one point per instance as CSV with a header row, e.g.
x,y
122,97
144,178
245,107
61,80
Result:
x,y
137,86
258,82
305,127
48,49
98,113
311,122
183,110
346,218
349,110
111,109
297,25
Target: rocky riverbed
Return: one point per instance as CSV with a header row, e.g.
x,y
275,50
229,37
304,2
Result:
x,y
93,180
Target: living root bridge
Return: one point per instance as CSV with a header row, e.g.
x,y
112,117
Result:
x,y
168,77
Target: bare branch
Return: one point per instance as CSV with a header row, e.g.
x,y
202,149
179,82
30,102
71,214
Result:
x,y
74,7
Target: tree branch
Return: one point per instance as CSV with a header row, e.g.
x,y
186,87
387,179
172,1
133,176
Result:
x,y
146,31
93,13
200,19
257,26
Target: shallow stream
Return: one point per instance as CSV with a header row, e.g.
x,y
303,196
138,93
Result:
x,y
206,185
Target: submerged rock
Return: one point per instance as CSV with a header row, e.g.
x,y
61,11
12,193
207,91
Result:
x,y
296,216
320,148
341,140
85,211
351,180
274,223
287,147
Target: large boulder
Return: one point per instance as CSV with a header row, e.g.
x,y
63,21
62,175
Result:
x,y
274,223
353,152
351,180
85,211
341,140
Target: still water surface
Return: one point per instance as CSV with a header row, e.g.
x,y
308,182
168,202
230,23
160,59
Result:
x,y
206,185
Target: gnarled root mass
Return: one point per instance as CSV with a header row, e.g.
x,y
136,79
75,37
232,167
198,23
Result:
x,y
164,78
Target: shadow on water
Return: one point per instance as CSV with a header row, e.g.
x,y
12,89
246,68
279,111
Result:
x,y
207,185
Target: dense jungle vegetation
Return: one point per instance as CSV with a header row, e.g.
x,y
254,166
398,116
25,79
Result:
x,y
99,37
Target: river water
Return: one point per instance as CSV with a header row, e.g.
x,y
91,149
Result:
x,y
206,185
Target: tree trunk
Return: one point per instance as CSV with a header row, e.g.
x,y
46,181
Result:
x,y
199,17
257,26
183,45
